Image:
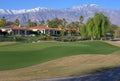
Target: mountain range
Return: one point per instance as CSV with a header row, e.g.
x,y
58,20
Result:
x,y
70,14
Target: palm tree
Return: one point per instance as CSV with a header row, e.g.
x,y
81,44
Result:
x,y
81,19
81,22
63,26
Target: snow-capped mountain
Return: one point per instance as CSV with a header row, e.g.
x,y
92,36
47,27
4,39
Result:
x,y
70,14
2,11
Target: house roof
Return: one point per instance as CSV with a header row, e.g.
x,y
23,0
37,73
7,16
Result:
x,y
17,27
57,29
44,27
38,28
71,29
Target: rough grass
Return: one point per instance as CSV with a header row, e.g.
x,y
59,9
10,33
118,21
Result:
x,y
22,55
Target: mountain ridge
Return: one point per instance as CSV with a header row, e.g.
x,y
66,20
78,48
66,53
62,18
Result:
x,y
70,14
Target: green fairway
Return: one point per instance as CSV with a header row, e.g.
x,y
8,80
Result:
x,y
21,55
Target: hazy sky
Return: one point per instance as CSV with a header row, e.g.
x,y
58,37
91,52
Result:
x,y
28,4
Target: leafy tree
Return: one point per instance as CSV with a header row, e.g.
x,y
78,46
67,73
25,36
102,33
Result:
x,y
81,19
73,24
64,22
80,23
3,19
117,33
83,31
90,28
101,23
54,23
42,23
9,23
3,22
17,22
47,22
112,28
31,24
63,25
96,27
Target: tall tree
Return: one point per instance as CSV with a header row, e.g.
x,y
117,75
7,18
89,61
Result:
x,y
47,22
80,23
42,23
101,23
72,24
63,26
64,22
81,19
54,23
97,26
3,19
3,22
83,31
31,24
90,28
117,33
17,22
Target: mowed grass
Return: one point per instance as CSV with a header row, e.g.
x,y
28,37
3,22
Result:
x,y
21,55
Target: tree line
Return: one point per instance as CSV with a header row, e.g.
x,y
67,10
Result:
x,y
4,23
54,23
95,27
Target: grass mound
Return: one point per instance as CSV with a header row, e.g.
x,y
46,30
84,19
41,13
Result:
x,y
22,55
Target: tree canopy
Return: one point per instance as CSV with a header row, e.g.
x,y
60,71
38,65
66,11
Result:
x,y
97,26
31,23
54,23
3,22
17,22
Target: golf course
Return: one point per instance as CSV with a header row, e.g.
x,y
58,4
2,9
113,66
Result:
x,y
26,61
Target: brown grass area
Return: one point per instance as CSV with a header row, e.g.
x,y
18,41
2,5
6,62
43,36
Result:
x,y
116,43
6,43
64,67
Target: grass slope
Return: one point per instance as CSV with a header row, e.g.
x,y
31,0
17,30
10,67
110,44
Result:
x,y
22,55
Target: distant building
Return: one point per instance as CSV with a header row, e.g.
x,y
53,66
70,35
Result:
x,y
23,31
